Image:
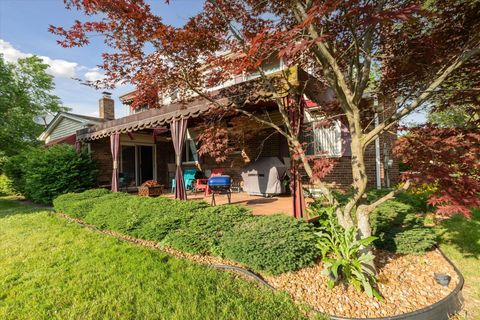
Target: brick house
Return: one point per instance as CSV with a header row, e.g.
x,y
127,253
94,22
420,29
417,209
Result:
x,y
146,151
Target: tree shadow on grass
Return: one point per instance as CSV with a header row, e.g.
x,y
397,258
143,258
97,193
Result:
x,y
462,233
10,206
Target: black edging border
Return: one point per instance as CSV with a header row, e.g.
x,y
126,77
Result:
x,y
440,310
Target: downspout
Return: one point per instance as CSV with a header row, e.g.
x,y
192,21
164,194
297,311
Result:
x,y
377,147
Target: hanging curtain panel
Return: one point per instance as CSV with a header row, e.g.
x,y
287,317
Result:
x,y
179,130
296,121
115,146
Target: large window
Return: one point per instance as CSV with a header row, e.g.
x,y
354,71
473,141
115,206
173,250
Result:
x,y
323,140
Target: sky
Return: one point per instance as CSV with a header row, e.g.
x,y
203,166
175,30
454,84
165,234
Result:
x,y
24,31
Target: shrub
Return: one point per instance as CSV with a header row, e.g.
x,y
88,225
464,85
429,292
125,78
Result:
x,y
400,229
203,233
146,218
44,173
6,186
273,244
71,203
13,168
415,240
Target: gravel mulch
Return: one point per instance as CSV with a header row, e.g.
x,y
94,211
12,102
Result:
x,y
405,281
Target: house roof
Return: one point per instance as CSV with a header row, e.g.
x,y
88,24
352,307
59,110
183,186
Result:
x,y
87,120
251,93
152,118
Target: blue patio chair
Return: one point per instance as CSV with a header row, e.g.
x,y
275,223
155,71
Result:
x,y
188,178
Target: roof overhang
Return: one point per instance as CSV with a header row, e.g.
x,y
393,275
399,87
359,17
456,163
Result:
x,y
249,92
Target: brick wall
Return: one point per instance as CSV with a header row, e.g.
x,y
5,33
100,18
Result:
x,y
100,152
266,143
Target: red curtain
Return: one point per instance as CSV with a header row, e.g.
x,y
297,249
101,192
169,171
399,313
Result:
x,y
295,111
115,146
179,130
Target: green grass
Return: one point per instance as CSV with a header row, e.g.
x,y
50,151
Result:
x,y
53,269
460,241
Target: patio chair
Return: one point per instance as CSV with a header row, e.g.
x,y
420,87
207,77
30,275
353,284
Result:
x,y
188,178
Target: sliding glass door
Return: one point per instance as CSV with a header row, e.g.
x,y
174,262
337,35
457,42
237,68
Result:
x,y
145,163
137,165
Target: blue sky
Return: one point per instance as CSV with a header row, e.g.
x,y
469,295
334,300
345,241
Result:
x,y
24,30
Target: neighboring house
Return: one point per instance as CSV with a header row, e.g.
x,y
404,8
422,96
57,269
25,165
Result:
x,y
64,126
146,151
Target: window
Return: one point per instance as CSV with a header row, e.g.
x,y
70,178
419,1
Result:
x,y
323,141
269,66
190,149
137,164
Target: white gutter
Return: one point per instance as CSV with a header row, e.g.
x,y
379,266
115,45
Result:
x,y
377,147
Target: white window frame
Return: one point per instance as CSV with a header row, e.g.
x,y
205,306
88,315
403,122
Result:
x,y
322,135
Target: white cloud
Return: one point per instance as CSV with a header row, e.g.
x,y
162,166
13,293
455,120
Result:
x,y
57,67
93,75
10,54
80,98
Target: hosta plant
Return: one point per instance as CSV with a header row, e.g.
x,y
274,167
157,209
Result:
x,y
344,256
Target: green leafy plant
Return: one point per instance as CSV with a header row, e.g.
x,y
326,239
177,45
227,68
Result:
x,y
343,256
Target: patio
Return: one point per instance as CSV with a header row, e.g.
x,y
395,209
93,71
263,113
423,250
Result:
x,y
259,205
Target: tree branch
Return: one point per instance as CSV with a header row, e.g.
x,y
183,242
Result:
x,y
442,75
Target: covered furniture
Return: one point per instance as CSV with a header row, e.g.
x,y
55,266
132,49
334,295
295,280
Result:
x,y
264,177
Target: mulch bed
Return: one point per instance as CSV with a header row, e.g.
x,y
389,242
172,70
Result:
x,y
405,281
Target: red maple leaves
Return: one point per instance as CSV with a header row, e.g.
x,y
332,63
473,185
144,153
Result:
x,y
447,158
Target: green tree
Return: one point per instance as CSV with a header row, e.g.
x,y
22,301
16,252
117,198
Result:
x,y
458,117
25,92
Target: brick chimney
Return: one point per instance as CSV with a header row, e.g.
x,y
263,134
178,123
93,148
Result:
x,y
106,106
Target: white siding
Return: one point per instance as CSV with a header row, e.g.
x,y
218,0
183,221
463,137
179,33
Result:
x,y
64,128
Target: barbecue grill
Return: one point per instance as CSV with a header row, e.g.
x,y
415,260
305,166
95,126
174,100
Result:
x,y
220,185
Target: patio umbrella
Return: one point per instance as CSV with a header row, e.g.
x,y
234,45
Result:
x,y
114,146
179,130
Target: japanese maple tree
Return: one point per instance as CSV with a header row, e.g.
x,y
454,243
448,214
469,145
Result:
x,y
423,51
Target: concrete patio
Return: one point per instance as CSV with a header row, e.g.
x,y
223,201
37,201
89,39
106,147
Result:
x,y
258,204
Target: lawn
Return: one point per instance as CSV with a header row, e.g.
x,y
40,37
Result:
x,y
460,241
53,269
